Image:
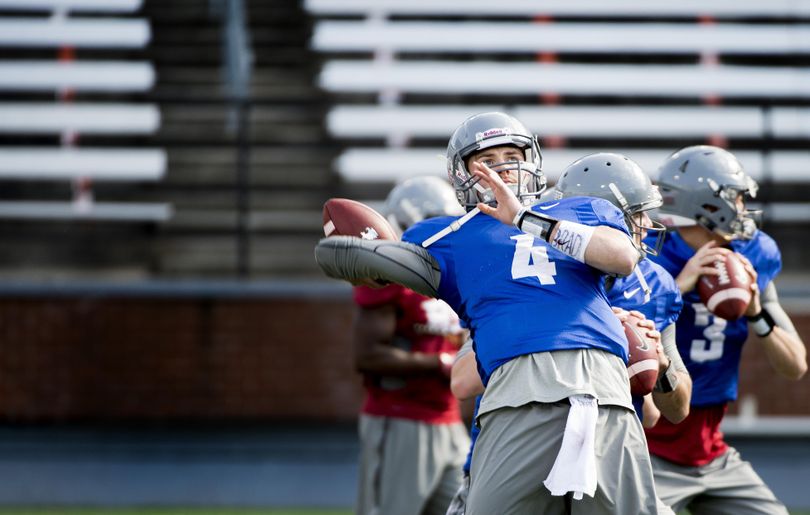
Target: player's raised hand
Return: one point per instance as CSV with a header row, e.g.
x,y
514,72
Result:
x,y
699,264
508,203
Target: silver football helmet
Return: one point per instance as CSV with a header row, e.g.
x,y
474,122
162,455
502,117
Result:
x,y
702,184
419,198
487,130
621,181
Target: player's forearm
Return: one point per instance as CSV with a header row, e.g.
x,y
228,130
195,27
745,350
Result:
x,y
465,382
611,251
650,411
773,329
382,359
674,405
601,247
785,351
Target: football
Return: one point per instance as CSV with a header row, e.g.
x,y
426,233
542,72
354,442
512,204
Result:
x,y
728,293
345,217
642,366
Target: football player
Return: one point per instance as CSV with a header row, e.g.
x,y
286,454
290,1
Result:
x,y
650,290
411,436
528,283
649,293
704,190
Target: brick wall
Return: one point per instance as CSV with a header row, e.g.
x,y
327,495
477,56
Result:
x,y
93,359
97,358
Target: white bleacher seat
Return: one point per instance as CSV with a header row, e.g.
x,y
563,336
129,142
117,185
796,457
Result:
x,y
74,32
354,76
106,76
391,165
107,6
83,118
98,211
788,122
438,121
527,37
587,8
43,163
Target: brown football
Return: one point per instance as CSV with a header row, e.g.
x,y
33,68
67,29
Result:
x,y
345,217
642,365
728,293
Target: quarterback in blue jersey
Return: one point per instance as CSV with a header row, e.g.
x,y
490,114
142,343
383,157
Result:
x,y
651,290
704,190
556,419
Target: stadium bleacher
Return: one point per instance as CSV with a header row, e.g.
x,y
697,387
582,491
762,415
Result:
x,y
642,79
65,77
125,102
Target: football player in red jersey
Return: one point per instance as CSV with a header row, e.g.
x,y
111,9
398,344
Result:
x,y
704,190
413,442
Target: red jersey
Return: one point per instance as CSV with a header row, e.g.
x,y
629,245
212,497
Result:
x,y
422,324
695,441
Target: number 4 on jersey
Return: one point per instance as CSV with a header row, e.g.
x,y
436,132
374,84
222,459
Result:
x,y
532,261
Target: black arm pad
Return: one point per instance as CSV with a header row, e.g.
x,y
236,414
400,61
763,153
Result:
x,y
536,224
353,259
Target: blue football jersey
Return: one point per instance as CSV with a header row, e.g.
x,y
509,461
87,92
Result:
x,y
516,293
662,304
710,346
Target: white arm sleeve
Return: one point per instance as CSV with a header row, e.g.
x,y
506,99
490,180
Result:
x,y
770,301
671,349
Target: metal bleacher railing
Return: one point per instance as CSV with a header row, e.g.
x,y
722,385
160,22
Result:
x,y
28,81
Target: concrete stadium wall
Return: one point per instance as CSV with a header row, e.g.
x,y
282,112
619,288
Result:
x,y
97,357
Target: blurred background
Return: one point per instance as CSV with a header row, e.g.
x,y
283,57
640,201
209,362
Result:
x,y
166,338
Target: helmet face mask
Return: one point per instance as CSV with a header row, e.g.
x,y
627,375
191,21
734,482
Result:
x,y
619,180
488,130
420,198
707,186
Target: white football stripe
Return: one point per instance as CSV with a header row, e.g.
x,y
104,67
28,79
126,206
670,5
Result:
x,y
732,293
642,366
328,227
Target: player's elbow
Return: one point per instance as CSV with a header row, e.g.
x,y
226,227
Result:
x,y
465,387
623,261
678,414
798,371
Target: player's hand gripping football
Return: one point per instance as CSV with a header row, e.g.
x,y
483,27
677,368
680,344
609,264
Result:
x,y
701,263
508,203
651,333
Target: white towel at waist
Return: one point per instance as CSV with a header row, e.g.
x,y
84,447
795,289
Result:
x,y
575,467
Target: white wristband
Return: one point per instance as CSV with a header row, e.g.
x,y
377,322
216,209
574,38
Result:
x,y
572,239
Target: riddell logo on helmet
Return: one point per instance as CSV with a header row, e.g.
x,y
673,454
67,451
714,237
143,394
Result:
x,y
490,133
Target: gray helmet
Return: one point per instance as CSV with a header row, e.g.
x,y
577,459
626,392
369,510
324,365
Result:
x,y
487,130
419,198
701,184
619,180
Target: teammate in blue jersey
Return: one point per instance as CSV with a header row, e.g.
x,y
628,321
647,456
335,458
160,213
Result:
x,y
704,190
651,290
556,416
